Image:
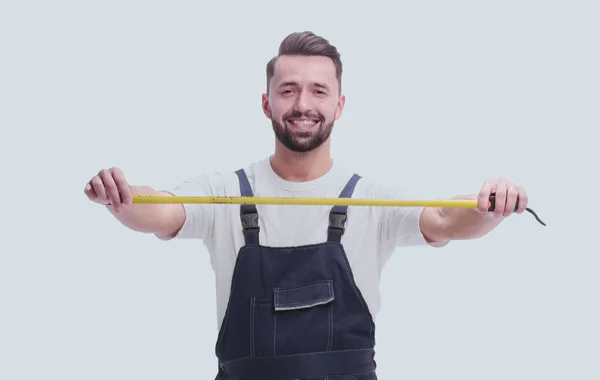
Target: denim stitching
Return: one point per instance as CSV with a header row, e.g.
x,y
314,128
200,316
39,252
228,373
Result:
x,y
252,316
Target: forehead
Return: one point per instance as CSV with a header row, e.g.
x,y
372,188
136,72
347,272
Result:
x,y
304,70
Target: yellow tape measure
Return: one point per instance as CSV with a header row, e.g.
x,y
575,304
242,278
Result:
x,y
454,203
446,203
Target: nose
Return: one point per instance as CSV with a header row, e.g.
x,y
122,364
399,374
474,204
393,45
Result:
x,y
302,102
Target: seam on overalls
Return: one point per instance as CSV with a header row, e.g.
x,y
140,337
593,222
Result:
x,y
330,343
357,292
227,311
252,308
274,334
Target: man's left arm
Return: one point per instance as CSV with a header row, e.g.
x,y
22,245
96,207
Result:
x,y
445,224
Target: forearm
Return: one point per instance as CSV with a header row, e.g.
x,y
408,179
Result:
x,y
443,224
159,219
462,224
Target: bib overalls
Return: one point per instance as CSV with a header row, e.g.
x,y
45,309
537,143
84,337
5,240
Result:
x,y
295,312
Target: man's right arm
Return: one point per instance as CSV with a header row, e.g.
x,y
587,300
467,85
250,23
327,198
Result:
x,y
110,188
163,220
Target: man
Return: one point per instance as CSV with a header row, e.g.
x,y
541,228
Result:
x,y
297,286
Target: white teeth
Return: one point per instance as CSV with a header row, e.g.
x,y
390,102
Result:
x,y
304,123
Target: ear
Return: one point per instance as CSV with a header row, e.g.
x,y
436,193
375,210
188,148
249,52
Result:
x,y
340,106
265,106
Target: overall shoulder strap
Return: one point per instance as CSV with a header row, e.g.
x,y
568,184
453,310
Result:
x,y
339,214
248,213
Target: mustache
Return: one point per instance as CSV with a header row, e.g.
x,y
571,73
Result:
x,y
307,115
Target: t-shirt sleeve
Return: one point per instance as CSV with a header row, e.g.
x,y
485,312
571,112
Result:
x,y
400,226
199,218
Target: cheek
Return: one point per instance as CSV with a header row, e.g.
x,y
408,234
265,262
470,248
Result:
x,y
278,109
330,110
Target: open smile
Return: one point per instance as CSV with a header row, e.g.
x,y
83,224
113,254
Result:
x,y
303,123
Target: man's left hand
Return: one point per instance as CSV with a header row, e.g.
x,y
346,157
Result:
x,y
507,194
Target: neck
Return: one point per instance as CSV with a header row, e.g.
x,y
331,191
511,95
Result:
x,y
301,167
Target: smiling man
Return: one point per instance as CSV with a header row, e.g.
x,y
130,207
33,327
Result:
x,y
298,287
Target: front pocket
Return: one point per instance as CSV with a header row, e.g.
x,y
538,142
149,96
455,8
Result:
x,y
262,327
303,318
303,297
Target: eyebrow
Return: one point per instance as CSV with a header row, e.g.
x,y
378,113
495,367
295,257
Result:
x,y
293,83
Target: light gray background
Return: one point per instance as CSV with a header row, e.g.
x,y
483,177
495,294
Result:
x,y
440,96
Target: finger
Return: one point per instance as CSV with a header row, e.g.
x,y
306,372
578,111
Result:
x,y
483,199
500,192
122,186
99,189
111,189
89,192
523,201
511,200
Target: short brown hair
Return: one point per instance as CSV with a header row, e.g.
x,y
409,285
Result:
x,y
307,44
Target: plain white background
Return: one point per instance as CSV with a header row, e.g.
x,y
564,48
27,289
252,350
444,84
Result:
x,y
440,96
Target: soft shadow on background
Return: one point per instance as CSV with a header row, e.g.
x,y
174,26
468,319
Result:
x,y
440,96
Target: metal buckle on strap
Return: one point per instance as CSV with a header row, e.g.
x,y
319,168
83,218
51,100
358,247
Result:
x,y
250,220
338,220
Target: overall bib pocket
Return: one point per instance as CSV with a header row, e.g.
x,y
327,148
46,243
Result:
x,y
295,320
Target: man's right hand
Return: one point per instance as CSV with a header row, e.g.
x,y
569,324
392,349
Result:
x,y
109,187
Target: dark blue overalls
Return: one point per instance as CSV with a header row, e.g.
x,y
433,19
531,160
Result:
x,y
295,312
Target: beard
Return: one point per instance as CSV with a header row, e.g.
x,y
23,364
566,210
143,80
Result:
x,y
302,141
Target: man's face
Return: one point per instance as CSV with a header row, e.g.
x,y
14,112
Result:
x,y
303,101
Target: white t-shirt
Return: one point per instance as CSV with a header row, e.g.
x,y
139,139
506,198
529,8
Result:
x,y
371,235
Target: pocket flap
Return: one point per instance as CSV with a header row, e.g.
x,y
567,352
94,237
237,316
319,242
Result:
x,y
304,296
